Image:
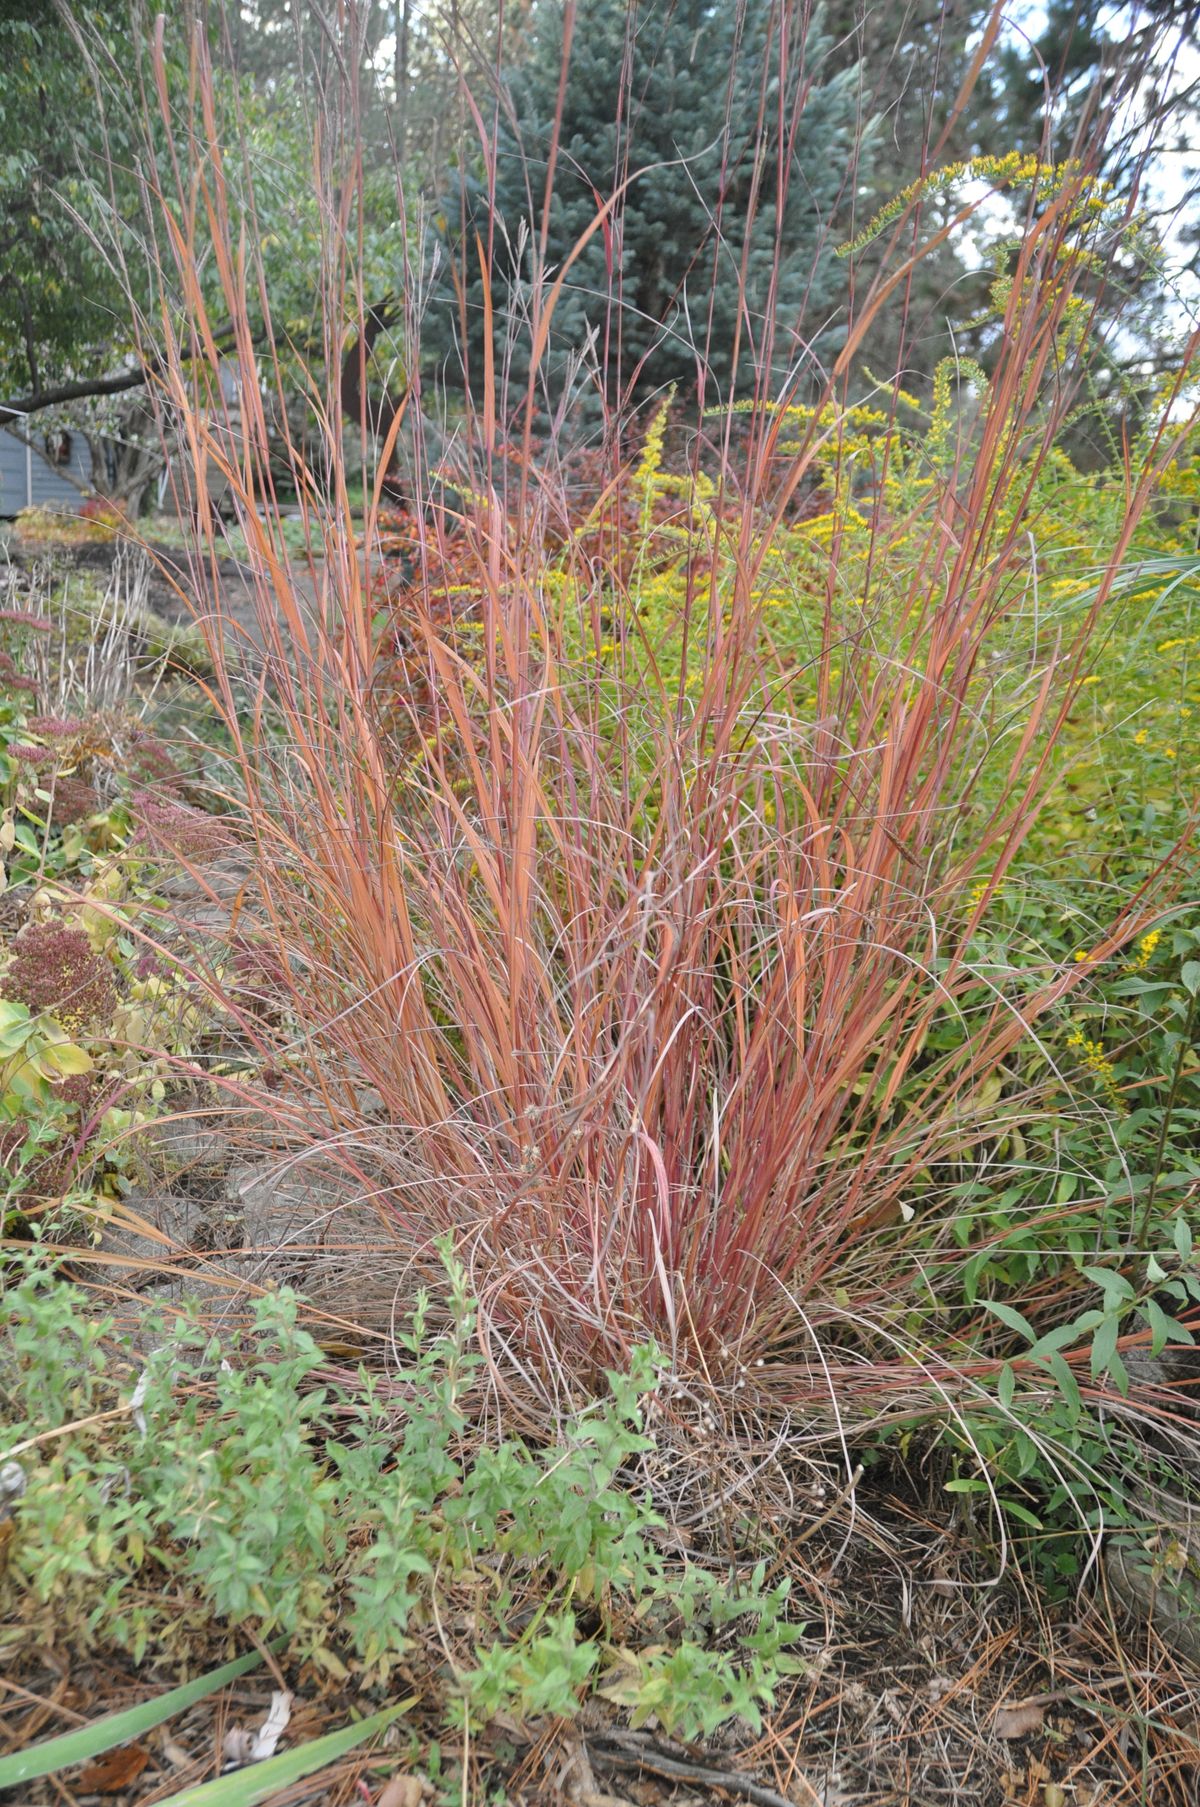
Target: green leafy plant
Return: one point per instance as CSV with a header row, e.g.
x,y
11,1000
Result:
x,y
96,1019
314,1509
35,1052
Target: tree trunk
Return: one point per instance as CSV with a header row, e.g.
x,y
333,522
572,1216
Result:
x,y
357,405
125,461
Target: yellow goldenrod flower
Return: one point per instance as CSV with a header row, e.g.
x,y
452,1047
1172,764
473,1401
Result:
x,y
1097,1063
1145,949
651,461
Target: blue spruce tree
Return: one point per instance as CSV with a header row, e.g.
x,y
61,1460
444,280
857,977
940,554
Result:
x,y
723,233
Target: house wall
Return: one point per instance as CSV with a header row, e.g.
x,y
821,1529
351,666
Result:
x,y
22,472
177,487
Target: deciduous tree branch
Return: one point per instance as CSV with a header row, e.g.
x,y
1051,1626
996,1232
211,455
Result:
x,y
83,390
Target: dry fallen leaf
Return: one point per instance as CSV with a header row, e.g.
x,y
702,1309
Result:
x,y
1018,1721
174,1753
13,1483
136,1402
403,1791
114,1771
245,1746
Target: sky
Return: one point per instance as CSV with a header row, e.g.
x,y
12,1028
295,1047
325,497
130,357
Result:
x,y
1173,170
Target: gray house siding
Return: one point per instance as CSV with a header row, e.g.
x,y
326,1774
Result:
x,y
28,479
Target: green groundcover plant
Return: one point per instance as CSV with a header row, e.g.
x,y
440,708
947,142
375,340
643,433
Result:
x,y
237,1482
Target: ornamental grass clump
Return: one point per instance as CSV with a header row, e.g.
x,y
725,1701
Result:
x,y
621,936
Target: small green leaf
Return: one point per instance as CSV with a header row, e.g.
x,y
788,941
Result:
x,y
1191,977
1164,1329
1113,1284
1060,1338
13,1015
1104,1345
66,1058
1022,1514
1008,1314
1006,1386
1068,1386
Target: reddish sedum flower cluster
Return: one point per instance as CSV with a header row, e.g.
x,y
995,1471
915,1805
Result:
x,y
150,762
51,1168
166,826
54,969
11,678
258,975
72,797
57,727
27,618
253,959
74,800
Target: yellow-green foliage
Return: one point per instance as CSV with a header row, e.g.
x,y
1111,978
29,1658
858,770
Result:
x,y
881,479
53,527
1096,202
